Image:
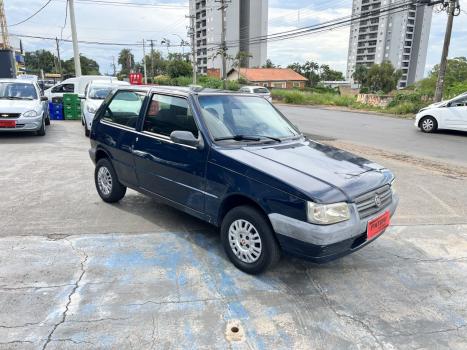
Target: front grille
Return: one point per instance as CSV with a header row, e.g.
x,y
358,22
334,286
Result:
x,y
366,203
9,115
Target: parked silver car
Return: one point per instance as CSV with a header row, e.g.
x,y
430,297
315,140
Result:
x,y
21,106
257,90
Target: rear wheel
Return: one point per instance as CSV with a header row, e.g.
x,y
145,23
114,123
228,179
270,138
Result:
x,y
107,184
428,124
248,240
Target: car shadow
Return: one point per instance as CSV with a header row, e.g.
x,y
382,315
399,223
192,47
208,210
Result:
x,y
451,132
202,234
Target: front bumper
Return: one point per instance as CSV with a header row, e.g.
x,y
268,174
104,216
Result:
x,y
24,124
320,243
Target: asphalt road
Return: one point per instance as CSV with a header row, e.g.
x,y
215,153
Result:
x,y
386,133
78,273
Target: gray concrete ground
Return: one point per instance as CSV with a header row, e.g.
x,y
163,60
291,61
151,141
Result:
x,y
78,273
387,133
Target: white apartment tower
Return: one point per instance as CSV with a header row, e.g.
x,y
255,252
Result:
x,y
399,36
245,21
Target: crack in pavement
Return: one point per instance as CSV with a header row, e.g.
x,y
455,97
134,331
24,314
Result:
x,y
17,341
462,258
76,285
322,293
398,334
35,287
21,326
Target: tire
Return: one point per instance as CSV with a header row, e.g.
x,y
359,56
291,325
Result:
x,y
240,227
428,124
82,120
41,131
86,130
107,185
47,120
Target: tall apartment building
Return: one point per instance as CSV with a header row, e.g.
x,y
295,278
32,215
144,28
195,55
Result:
x,y
245,20
398,37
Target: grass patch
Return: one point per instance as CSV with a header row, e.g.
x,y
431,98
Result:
x,y
312,98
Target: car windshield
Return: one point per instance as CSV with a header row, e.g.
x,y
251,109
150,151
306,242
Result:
x,y
260,91
99,92
243,117
17,91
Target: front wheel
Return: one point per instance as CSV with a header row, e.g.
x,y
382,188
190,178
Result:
x,y
41,131
249,240
428,124
86,130
107,184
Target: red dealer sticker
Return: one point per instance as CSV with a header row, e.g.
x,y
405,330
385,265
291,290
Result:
x,y
377,225
7,123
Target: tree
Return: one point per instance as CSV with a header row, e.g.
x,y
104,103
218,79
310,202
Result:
x,y
155,64
360,75
383,77
127,60
241,60
178,68
40,59
296,67
269,64
88,66
329,74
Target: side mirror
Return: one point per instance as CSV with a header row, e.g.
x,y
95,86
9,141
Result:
x,y
81,96
184,138
44,98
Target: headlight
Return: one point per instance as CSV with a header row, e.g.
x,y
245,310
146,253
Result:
x,y
91,109
325,214
393,186
30,114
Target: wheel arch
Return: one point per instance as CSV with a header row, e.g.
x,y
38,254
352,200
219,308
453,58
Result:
x,y
428,116
236,200
102,153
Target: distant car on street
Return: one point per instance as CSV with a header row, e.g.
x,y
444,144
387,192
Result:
x,y
450,114
233,160
22,108
258,90
94,93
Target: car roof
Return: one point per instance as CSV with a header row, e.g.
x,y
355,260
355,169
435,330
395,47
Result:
x,y
103,82
12,80
179,90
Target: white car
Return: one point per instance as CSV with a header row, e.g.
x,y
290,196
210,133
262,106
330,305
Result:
x,y
450,114
21,107
73,85
257,90
94,93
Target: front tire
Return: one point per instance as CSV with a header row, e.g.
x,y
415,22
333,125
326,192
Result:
x,y
86,130
41,131
107,185
428,124
249,240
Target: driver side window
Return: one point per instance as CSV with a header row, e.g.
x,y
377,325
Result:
x,y
459,103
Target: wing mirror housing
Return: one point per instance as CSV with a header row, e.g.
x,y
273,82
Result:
x,y
44,98
81,96
186,138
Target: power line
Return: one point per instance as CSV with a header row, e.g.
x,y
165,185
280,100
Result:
x,y
129,4
66,17
35,13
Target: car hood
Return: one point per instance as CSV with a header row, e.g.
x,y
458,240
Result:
x,y
323,173
19,106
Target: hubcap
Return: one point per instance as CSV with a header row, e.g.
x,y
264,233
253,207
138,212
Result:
x,y
104,180
245,241
427,125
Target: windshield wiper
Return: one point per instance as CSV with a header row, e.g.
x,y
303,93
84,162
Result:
x,y
15,98
238,138
270,137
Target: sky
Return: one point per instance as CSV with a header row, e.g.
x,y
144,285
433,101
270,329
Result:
x,y
166,19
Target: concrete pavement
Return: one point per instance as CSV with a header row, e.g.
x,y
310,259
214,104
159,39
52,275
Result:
x,y
386,133
79,273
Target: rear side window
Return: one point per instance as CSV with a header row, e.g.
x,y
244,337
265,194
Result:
x,y
124,108
64,88
168,113
260,91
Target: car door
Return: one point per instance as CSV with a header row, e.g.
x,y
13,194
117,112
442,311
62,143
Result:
x,y
59,90
117,132
171,170
457,114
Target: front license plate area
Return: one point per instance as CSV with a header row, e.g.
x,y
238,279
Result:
x,y
7,123
377,225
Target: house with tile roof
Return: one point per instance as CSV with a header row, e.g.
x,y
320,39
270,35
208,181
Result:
x,y
279,78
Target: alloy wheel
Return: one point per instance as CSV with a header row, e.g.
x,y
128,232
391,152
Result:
x,y
245,241
104,180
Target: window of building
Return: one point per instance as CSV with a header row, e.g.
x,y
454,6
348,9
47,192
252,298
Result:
x,y
167,114
124,108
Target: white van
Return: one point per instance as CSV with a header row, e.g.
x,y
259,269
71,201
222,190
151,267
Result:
x,y
74,85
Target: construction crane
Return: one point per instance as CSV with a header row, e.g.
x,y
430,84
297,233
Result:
x,y
5,41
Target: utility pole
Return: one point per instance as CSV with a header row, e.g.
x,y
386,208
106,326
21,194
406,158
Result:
x,y
191,34
4,27
114,67
223,44
452,6
59,59
152,59
74,37
144,64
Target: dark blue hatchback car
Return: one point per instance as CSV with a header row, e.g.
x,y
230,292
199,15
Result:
x,y
236,162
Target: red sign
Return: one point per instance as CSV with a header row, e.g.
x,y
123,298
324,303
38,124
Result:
x,y
136,78
378,225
